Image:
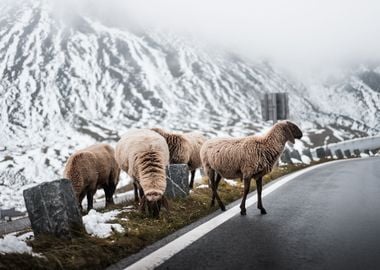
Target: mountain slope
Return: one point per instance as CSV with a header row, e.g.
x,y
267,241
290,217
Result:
x,y
67,83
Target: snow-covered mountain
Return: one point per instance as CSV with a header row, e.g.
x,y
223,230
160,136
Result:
x,y
66,84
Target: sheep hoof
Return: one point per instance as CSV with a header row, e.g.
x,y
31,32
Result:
x,y
263,211
243,212
223,208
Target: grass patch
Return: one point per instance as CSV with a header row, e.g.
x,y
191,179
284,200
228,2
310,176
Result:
x,y
86,252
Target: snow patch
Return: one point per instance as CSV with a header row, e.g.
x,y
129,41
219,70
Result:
x,y
95,223
305,159
295,161
12,244
231,182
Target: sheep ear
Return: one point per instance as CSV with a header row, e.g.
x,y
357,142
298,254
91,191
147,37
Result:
x,y
165,203
289,134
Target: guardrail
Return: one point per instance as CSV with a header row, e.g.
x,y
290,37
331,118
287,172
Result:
x,y
345,149
361,144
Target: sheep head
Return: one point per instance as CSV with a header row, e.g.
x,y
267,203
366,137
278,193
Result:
x,y
292,131
154,200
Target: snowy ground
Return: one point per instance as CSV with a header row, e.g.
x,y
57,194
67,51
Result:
x,y
15,244
96,224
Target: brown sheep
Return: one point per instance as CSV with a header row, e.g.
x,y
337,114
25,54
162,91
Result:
x,y
179,146
90,169
143,155
196,139
246,158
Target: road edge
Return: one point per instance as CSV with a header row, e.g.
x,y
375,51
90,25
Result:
x,y
157,253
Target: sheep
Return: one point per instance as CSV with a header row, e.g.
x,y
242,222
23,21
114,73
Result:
x,y
92,168
184,149
246,158
196,139
179,146
143,155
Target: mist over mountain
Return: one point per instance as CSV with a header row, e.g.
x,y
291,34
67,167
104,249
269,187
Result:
x,y
68,83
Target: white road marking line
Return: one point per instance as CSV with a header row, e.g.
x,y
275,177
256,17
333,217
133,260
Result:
x,y
164,253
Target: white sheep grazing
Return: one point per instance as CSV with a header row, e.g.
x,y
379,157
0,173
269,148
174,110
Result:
x,y
246,158
196,139
143,155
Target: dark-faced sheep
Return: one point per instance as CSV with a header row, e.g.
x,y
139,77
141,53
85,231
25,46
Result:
x,y
246,158
90,169
143,154
196,139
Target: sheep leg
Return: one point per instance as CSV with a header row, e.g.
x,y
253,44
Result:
x,y
247,184
218,177
90,200
215,195
211,179
141,192
109,191
135,188
192,179
80,199
259,185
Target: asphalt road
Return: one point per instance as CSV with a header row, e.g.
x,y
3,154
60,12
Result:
x,y
328,218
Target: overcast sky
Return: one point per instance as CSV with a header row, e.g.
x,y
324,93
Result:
x,y
297,34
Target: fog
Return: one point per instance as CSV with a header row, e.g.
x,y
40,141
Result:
x,y
296,34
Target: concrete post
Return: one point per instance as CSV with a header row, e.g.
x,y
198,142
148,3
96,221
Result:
x,y
329,153
320,153
285,157
307,153
177,181
295,154
347,153
53,209
339,154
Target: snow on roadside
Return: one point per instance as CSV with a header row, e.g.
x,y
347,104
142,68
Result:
x,y
95,223
231,182
295,161
13,244
24,236
305,159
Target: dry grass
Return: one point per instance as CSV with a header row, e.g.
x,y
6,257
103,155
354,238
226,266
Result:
x,y
85,252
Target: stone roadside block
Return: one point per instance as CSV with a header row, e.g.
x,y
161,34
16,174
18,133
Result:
x,y
320,153
53,209
177,181
295,154
285,157
347,153
307,153
339,154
